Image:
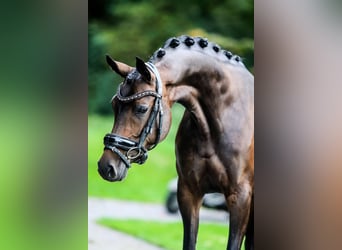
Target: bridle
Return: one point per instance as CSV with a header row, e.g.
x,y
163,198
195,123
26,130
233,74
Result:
x,y
135,151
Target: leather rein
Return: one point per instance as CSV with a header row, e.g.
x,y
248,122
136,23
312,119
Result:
x,y
135,151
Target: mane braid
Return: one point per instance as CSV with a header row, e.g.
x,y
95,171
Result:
x,y
185,42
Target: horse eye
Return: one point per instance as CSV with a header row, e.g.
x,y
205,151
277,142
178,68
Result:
x,y
141,109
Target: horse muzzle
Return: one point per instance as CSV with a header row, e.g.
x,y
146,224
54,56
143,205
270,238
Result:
x,y
134,152
111,171
115,168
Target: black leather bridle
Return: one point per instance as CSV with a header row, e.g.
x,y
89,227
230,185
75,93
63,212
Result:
x,y
135,151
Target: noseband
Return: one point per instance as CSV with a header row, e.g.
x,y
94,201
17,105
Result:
x,y
135,151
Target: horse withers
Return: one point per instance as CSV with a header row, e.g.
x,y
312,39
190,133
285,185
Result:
x,y
215,139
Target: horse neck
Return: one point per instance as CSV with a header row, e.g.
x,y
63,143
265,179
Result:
x,y
200,83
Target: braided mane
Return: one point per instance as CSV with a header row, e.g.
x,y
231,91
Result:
x,y
196,44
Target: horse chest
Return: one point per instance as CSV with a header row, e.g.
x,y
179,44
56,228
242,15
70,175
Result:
x,y
197,162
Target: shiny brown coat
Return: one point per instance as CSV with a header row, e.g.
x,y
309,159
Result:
x,y
215,139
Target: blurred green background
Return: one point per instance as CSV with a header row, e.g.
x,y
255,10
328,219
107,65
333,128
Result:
x,y
43,125
129,28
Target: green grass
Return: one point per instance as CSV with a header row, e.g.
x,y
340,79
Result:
x,y
147,182
169,235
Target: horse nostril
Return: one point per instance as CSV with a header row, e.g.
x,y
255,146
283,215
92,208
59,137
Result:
x,y
111,172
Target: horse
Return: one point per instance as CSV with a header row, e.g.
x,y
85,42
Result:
x,y
215,139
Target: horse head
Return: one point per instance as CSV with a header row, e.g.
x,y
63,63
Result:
x,y
142,119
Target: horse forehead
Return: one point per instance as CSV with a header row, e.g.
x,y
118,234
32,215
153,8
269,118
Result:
x,y
133,75
139,86
135,83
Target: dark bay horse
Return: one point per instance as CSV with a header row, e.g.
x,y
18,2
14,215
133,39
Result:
x,y
215,139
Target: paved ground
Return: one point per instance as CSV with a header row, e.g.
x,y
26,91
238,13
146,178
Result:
x,y
102,238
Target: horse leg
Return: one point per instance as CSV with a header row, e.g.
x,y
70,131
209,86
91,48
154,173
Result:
x,y
238,202
189,205
249,242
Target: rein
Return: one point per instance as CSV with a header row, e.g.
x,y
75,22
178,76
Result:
x,y
135,151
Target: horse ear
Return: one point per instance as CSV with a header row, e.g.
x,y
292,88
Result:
x,y
118,67
142,69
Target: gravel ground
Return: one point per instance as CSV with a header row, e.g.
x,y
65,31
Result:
x,y
102,238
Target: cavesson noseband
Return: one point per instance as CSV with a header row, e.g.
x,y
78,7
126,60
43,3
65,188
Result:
x,y
135,151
